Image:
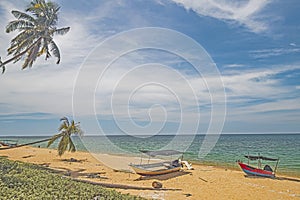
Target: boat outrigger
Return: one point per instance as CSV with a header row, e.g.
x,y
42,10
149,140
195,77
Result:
x,y
159,168
267,171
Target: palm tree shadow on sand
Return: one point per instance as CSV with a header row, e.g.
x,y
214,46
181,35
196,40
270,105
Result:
x,y
75,174
287,179
281,178
163,176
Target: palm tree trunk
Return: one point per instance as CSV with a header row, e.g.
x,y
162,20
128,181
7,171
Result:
x,y
31,143
2,64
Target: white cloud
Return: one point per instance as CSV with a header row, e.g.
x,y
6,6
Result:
x,y
234,65
246,13
253,95
265,53
279,105
256,83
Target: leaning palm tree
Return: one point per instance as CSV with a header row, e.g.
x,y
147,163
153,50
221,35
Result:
x,y
66,129
37,29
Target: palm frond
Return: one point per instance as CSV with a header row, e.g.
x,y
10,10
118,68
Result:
x,y
17,59
2,66
54,49
62,31
32,55
53,6
65,119
26,62
45,49
72,147
63,144
78,131
35,7
51,12
63,126
75,129
35,53
24,16
16,24
22,36
22,43
54,137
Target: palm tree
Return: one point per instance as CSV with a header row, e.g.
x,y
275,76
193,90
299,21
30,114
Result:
x,y
66,129
37,30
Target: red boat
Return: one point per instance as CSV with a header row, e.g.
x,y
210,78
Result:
x,y
267,171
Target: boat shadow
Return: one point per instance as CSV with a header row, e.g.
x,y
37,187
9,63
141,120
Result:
x,y
257,177
163,176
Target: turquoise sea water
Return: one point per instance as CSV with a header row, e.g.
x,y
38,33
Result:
x,y
227,150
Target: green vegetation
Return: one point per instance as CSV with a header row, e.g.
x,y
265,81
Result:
x,y
28,181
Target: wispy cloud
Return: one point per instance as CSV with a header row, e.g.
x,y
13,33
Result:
x,y
246,13
17,116
265,53
234,65
257,82
258,85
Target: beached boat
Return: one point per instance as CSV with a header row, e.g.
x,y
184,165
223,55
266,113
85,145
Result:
x,y
8,143
158,168
267,171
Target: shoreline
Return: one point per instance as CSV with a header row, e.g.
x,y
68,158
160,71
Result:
x,y
221,165
204,182
220,156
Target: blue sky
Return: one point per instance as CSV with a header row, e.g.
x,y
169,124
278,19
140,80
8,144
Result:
x,y
254,44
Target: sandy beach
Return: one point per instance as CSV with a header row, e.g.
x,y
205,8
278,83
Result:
x,y
204,182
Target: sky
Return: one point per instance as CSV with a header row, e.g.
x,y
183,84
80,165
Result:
x,y
160,66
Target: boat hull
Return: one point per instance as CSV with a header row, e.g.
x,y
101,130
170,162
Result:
x,y
249,170
139,169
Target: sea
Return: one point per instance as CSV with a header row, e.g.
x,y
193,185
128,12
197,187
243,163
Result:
x,y
228,148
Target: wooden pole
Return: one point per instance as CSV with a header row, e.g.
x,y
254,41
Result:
x,y
27,144
258,161
248,158
276,165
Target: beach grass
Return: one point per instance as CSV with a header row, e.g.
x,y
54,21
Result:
x,y
20,180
